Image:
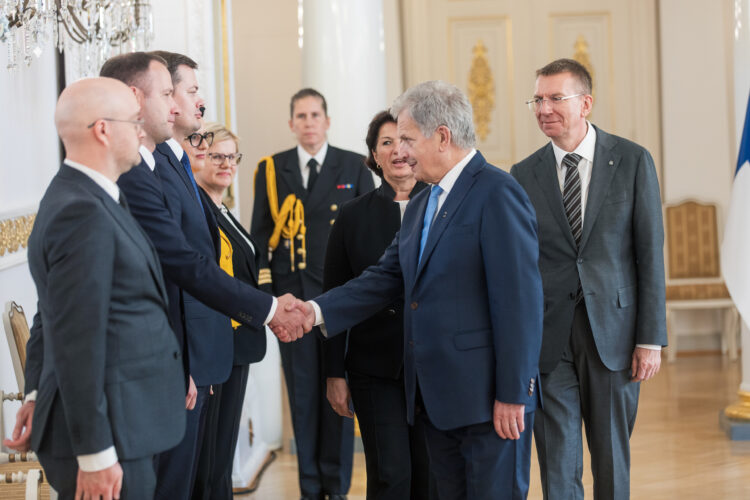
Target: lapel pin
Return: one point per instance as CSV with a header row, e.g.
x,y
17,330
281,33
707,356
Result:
x,y
445,214
611,162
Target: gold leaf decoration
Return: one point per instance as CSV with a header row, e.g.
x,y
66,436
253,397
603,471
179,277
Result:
x,y
14,233
481,90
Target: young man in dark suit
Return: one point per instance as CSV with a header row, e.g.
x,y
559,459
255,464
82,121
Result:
x,y
104,367
314,179
598,207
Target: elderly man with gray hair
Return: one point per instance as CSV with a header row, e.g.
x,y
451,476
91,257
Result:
x,y
465,262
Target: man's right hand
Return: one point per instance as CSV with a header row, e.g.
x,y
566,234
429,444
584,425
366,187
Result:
x,y
288,322
105,484
21,437
338,394
192,395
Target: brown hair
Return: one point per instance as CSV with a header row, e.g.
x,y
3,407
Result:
x,y
131,68
373,130
174,61
307,92
568,66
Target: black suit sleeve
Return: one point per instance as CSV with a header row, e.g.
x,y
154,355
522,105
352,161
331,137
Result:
x,y
336,272
192,271
261,227
34,355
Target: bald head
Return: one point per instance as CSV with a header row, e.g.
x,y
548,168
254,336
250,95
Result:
x,y
111,144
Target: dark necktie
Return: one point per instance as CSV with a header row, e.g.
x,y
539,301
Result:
x,y
123,202
186,165
572,202
572,195
313,166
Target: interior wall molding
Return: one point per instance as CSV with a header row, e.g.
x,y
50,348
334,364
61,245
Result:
x,y
15,229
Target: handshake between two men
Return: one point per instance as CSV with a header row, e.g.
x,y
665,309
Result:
x,y
292,319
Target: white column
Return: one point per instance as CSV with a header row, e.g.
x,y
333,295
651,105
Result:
x,y
343,57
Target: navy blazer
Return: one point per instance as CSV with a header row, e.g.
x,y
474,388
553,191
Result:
x,y
203,295
620,260
101,355
473,305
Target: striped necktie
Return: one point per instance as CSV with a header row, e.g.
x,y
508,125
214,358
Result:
x,y
572,195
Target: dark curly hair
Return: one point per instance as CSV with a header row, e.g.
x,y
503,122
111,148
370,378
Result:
x,y
373,130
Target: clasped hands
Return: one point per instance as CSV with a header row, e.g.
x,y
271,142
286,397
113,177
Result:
x,y
293,318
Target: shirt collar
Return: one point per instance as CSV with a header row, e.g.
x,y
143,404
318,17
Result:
x,y
449,179
148,157
100,179
585,149
304,156
176,148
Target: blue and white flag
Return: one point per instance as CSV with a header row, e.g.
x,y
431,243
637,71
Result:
x,y
735,249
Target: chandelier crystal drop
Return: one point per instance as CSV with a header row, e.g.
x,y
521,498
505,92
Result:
x,y
89,31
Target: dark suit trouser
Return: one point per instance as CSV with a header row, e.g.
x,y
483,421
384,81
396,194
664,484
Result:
x,y
138,477
474,463
214,479
324,440
176,468
396,459
581,388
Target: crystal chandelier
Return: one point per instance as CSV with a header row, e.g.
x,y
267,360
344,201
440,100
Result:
x,y
89,31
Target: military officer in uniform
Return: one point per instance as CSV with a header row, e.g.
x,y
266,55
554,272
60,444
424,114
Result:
x,y
298,193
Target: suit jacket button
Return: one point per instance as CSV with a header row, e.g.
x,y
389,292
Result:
x,y
531,391
572,295
414,306
334,207
580,261
176,355
391,312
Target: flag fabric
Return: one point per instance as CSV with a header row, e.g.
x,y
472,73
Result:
x,y
735,249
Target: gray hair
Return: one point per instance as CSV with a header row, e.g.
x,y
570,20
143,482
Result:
x,y
435,103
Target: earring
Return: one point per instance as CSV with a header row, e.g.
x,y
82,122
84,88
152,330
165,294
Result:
x,y
378,165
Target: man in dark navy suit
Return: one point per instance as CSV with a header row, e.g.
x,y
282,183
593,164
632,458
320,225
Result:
x,y
315,179
165,201
465,262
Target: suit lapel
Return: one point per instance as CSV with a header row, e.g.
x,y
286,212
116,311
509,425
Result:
x,y
409,236
606,161
329,172
450,206
289,172
167,152
545,172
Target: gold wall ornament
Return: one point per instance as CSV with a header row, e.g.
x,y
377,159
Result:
x,y
14,233
583,56
481,90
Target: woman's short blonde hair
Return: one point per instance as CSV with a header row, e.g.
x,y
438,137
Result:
x,y
222,133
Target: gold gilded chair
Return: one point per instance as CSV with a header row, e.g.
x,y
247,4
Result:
x,y
694,279
17,326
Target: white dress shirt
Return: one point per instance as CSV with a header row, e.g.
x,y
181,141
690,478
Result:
x,y
148,157
304,157
586,150
176,148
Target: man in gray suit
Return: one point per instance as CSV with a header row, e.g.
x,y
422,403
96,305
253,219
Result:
x,y
110,392
598,208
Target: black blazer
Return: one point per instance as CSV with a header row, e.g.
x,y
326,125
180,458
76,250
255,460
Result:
x,y
249,341
364,229
165,205
343,176
102,355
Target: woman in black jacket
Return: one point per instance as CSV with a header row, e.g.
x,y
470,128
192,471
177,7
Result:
x,y
370,355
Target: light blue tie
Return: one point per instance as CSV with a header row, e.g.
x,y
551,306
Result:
x,y
429,214
186,165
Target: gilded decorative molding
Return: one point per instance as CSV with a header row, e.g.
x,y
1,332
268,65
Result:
x,y
583,56
481,90
14,233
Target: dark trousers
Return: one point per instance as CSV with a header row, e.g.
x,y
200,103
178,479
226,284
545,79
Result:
x,y
474,463
214,478
324,440
176,468
581,388
138,478
396,459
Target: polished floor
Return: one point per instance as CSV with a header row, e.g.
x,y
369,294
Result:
x,y
678,449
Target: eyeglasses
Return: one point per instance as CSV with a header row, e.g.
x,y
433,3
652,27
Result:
x,y
536,103
218,158
196,139
137,123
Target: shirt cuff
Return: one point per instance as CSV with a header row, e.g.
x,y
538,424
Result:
x,y
318,318
652,347
271,313
30,396
97,461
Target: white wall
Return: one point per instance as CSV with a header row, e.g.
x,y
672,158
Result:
x,y
31,157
